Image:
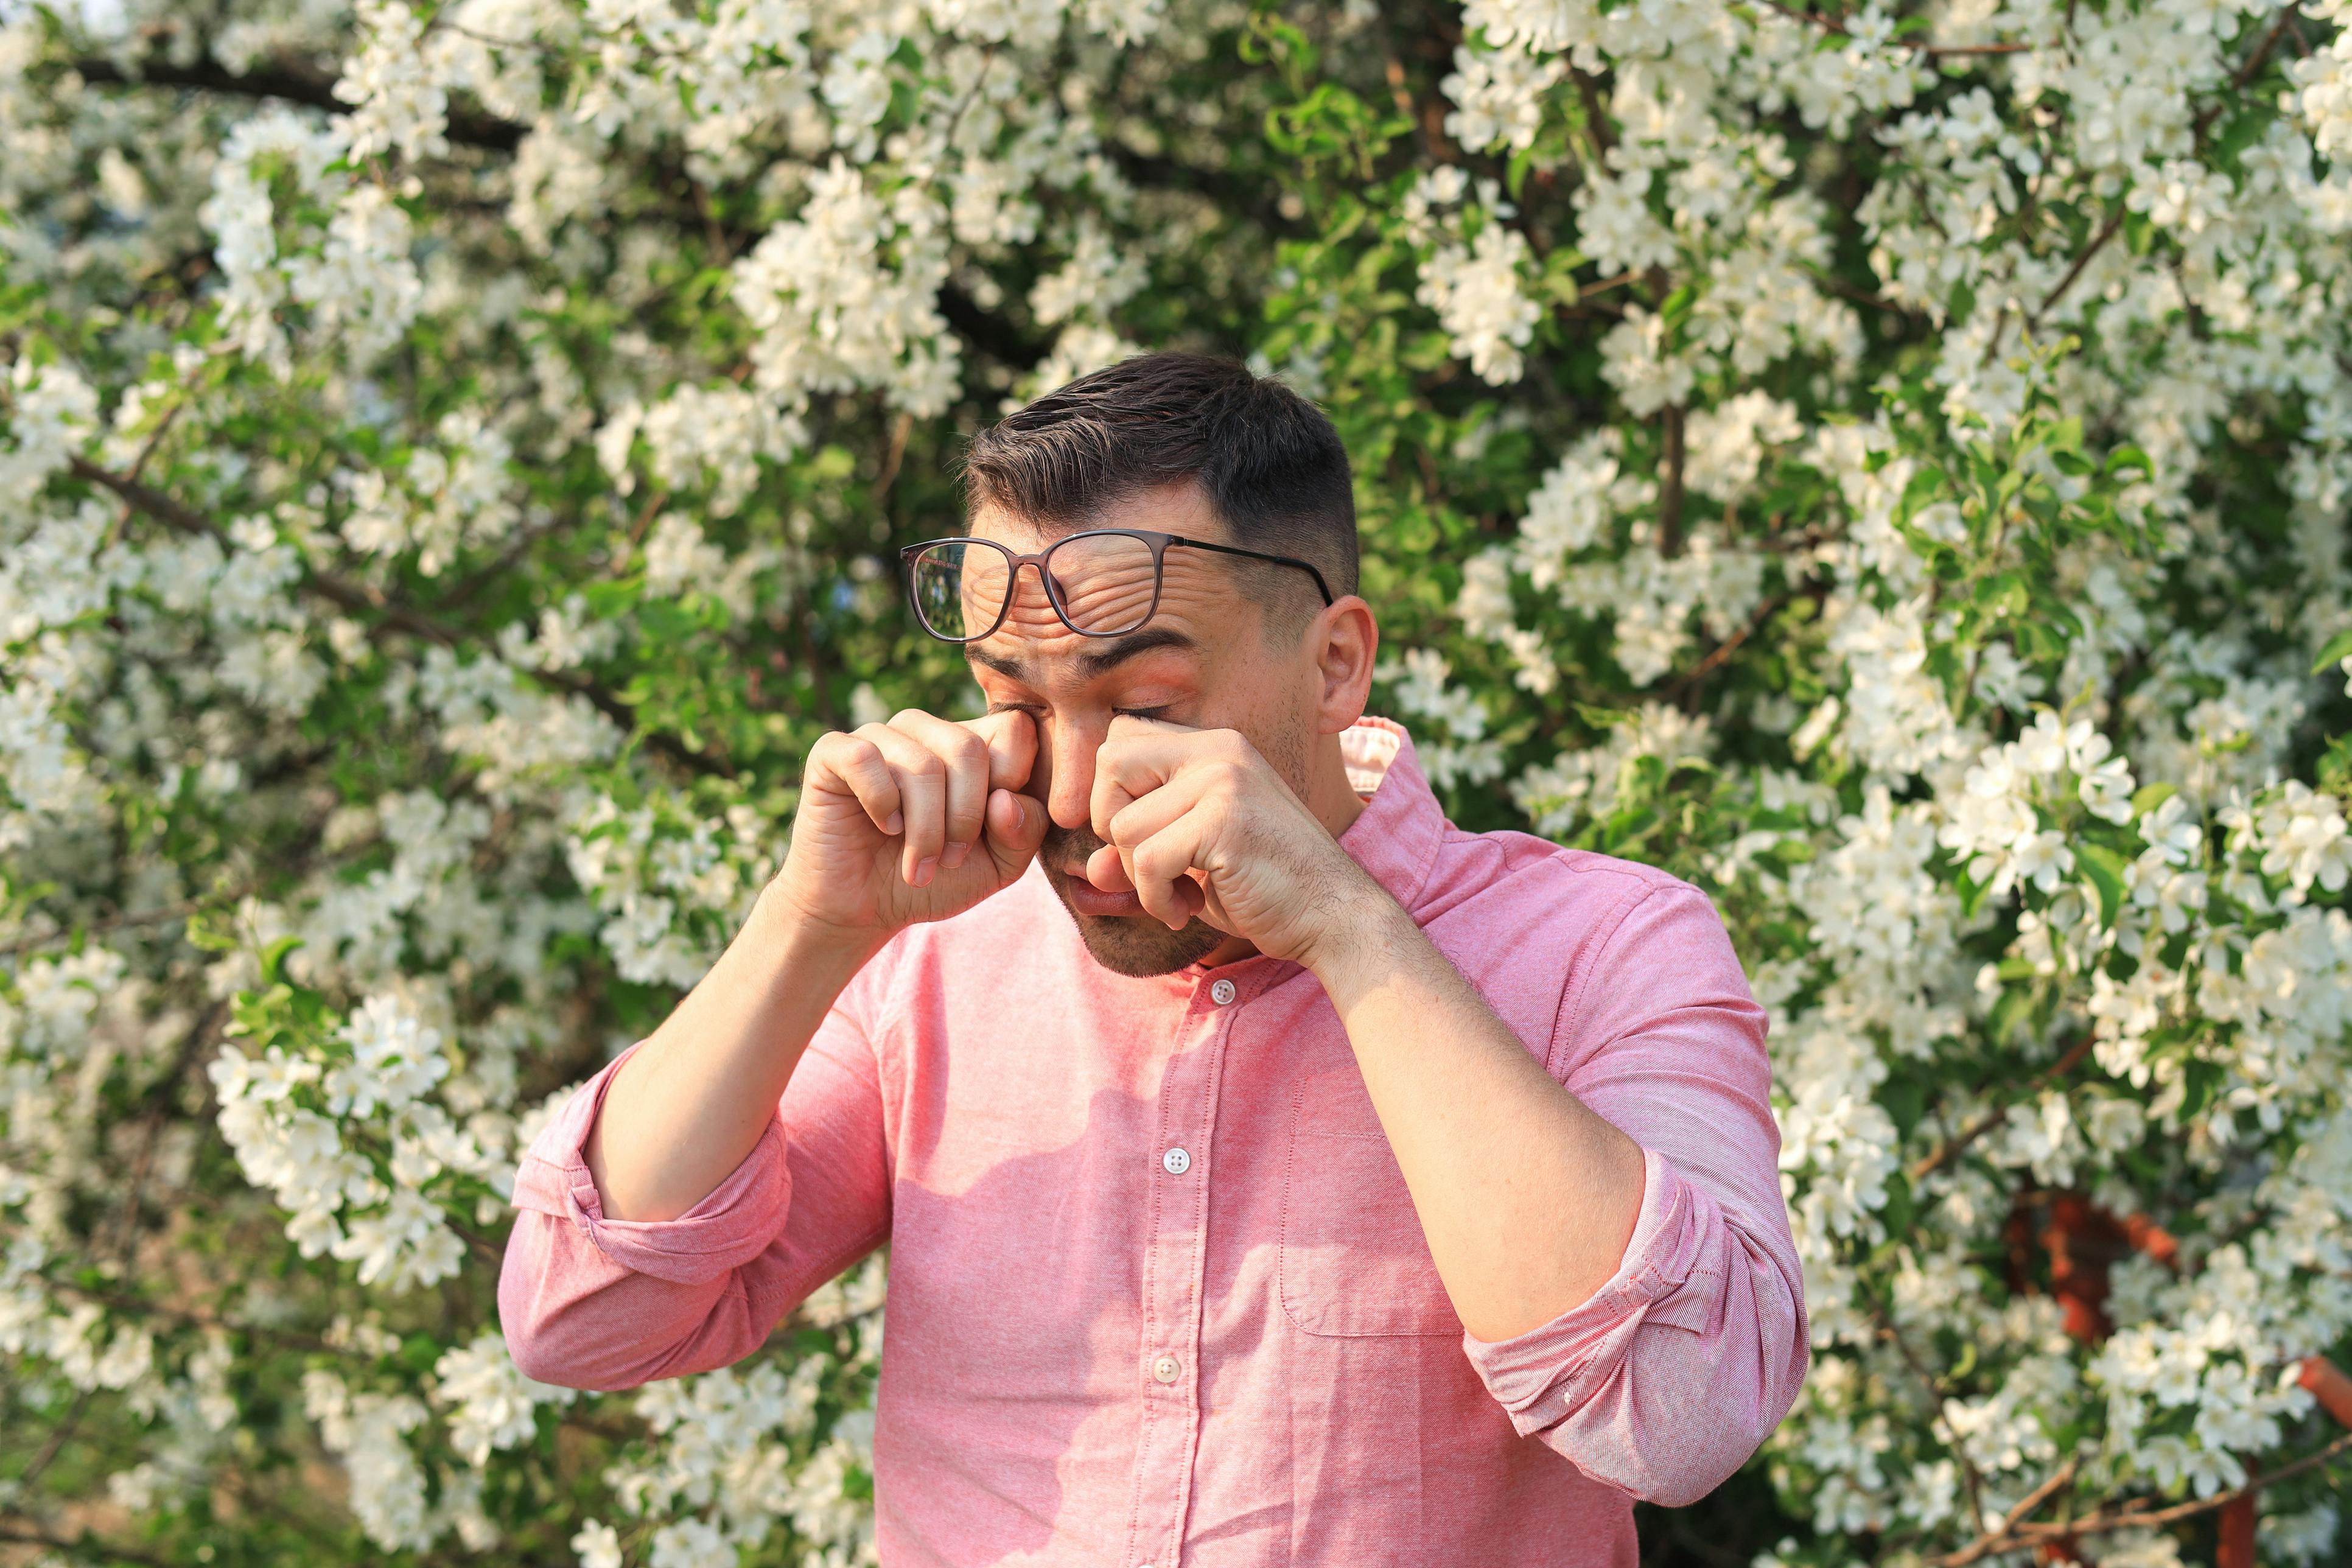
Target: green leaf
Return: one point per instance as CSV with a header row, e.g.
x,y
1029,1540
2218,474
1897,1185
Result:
x,y
2104,867
273,955
2337,650
2203,1081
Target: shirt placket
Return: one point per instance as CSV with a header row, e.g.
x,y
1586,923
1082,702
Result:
x,y
1168,1378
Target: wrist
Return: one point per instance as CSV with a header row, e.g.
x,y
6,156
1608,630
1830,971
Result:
x,y
783,928
1367,935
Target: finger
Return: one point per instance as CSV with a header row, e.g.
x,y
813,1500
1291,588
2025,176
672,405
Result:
x,y
1017,827
966,756
1011,737
921,775
856,765
1107,870
1160,867
1140,818
1137,756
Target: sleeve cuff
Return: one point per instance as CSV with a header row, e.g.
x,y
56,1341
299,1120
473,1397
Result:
x,y
731,1226
1544,1375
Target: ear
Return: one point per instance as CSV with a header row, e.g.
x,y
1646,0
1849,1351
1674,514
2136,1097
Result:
x,y
1342,642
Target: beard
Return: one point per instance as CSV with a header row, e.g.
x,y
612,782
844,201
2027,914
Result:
x,y
1139,945
1125,944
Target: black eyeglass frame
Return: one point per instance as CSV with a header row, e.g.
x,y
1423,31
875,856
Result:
x,y
1159,542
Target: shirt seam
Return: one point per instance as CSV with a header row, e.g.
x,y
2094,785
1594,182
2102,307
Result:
x,y
1570,1014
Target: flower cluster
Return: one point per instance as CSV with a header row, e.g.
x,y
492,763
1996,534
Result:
x,y
1888,463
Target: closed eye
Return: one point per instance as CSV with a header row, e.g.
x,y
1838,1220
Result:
x,y
1155,713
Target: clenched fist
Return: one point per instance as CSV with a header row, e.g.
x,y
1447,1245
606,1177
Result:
x,y
915,819
1198,823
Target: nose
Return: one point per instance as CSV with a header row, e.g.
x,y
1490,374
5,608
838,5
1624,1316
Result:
x,y
1068,747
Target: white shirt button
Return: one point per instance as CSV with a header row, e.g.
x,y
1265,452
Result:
x,y
1222,992
1167,1368
1175,1162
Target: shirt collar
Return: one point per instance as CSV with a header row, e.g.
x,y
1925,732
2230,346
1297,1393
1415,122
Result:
x,y
1395,836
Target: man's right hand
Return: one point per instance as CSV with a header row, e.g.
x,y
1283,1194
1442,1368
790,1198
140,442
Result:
x,y
912,820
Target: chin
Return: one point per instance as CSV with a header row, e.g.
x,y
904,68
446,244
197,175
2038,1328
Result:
x,y
1139,946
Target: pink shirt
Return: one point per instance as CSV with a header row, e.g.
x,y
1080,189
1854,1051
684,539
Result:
x,y
1158,1293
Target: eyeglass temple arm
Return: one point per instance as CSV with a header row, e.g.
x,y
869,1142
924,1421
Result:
x,y
1306,566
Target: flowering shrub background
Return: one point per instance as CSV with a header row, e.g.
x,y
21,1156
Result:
x,y
1888,465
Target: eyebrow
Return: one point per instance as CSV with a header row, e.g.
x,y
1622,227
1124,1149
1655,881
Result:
x,y
1093,661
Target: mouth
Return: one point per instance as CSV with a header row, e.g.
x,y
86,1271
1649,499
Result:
x,y
1088,899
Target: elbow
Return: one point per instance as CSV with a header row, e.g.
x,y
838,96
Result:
x,y
1715,1440
1681,1478
535,1359
548,1337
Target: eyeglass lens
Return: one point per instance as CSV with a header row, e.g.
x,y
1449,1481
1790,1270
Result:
x,y
1106,581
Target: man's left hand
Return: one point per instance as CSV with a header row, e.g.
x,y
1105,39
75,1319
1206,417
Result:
x,y
1198,823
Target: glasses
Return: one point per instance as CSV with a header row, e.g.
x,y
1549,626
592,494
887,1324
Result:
x,y
1104,582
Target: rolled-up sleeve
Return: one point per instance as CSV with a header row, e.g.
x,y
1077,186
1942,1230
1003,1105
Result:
x,y
587,1302
1667,1378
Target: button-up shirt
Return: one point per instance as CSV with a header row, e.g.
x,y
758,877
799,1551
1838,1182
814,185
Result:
x,y
1158,1294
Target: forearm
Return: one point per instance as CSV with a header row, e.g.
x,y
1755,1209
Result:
x,y
689,1105
1526,1197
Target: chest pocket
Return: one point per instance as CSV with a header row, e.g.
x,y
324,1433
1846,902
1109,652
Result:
x,y
1354,1263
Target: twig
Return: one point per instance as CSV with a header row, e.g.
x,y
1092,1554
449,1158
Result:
x,y
1670,488
2246,72
2018,1537
289,81
901,430
86,1542
58,1438
116,923
1730,645
1970,1477
1951,1148
352,596
2099,242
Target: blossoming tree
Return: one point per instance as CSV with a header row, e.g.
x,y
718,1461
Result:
x,y
1890,465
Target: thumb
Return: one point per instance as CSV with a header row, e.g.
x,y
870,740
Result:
x,y
1016,827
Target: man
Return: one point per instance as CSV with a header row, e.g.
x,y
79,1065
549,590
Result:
x,y
1272,1171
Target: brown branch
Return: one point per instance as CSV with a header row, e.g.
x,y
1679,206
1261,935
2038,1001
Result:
x,y
116,923
290,81
1970,1477
59,1437
2099,242
2246,72
1596,113
1951,1148
1670,488
901,429
176,514
86,1542
2018,1537
1722,651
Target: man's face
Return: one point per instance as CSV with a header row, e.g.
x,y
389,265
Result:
x,y
1200,660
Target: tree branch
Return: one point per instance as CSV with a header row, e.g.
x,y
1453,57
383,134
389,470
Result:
x,y
342,591
2015,1538
1670,487
290,81
1951,1148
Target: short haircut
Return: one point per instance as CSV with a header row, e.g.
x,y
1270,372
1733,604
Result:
x,y
1272,469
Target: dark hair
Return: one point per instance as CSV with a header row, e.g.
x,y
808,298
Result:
x,y
1272,467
